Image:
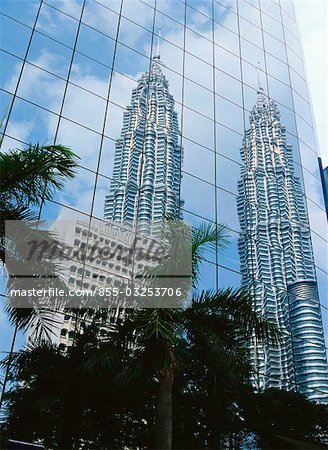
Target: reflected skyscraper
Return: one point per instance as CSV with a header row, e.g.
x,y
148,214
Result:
x,y
148,156
276,257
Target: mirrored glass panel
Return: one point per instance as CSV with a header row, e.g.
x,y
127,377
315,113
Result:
x,y
41,88
270,8
223,15
78,192
275,47
100,17
273,27
83,142
26,12
199,18
198,161
277,68
227,174
228,142
58,25
96,45
320,251
10,28
198,71
249,10
302,108
228,87
198,98
306,133
50,55
229,114
227,209
227,62
74,108
250,32
198,128
198,197
10,69
318,222
29,123
199,46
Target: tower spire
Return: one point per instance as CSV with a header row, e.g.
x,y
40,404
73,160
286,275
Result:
x,y
158,56
258,69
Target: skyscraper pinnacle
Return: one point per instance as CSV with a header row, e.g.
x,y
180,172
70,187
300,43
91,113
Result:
x,y
158,56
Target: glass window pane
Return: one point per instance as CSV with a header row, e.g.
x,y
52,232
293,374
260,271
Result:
x,y
41,88
270,8
228,87
227,62
280,92
198,197
198,71
225,16
78,192
198,161
101,18
121,88
313,189
273,27
26,12
275,47
229,114
229,256
318,220
83,142
50,55
252,54
306,133
96,45
29,123
309,159
199,46
226,38
90,75
198,128
249,12
293,43
10,28
135,37
227,209
302,108
227,174
74,108
277,68
251,32
10,69
198,98
199,21
57,25
138,12
228,142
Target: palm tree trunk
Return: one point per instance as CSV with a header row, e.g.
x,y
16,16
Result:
x,y
163,436
3,391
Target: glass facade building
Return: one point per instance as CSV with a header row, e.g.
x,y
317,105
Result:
x,y
68,77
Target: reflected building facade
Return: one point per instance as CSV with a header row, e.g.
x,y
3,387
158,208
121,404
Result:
x,y
68,78
276,256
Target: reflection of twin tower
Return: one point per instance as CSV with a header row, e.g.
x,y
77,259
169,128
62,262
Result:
x,y
276,257
148,155
275,246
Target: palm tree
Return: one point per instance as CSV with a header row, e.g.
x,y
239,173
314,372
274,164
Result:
x,y
218,325
28,178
